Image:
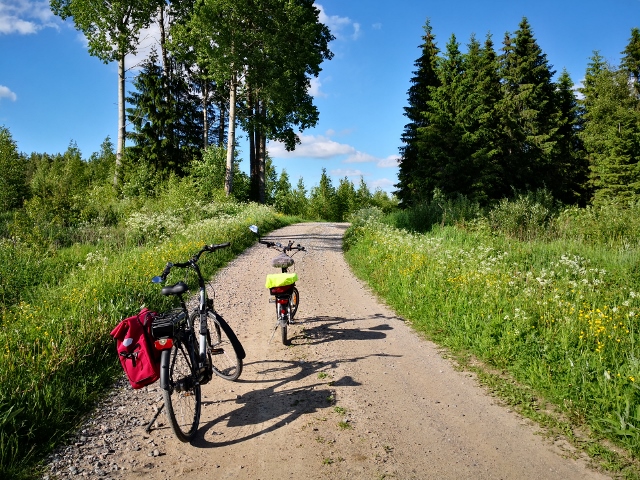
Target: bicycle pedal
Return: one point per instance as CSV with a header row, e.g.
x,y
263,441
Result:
x,y
217,351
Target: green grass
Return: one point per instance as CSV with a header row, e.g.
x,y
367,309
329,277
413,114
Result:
x,y
57,357
557,315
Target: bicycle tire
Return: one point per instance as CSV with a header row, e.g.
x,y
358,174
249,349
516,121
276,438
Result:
x,y
283,332
182,398
294,300
224,358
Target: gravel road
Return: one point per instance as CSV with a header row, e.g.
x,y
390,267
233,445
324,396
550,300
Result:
x,y
357,395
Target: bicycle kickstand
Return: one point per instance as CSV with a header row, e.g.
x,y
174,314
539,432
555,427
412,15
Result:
x,y
155,417
274,332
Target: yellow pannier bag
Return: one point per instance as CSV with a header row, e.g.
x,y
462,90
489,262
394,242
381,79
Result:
x,y
281,279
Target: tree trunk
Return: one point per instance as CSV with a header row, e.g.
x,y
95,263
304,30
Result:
x,y
262,153
253,149
205,108
163,46
221,126
121,124
231,137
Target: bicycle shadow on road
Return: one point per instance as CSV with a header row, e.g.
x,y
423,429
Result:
x,y
323,329
294,392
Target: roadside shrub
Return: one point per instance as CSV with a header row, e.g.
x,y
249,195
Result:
x,y
525,217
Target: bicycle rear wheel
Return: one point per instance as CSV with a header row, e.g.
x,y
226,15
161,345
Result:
x,y
223,357
283,332
182,398
295,297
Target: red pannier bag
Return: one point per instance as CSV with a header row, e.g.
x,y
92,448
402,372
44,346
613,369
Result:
x,y
135,346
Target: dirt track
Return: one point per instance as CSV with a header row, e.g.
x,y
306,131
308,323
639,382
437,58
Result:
x,y
357,395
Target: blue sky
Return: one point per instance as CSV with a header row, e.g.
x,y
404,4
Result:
x,y
52,92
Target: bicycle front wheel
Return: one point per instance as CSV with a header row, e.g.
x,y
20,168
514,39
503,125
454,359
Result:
x,y
182,398
226,362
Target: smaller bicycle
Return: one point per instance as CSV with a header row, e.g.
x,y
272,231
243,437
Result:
x,y
194,346
282,286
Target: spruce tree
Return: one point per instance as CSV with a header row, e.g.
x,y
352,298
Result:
x,y
529,113
166,119
482,90
410,187
13,185
322,199
611,134
345,201
570,185
631,59
442,157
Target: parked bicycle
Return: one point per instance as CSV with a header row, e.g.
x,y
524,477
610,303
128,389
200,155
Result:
x,y
282,286
195,345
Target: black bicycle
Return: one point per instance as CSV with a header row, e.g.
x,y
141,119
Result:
x,y
282,286
195,346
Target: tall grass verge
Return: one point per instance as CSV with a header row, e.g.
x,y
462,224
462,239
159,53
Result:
x,y
560,315
57,357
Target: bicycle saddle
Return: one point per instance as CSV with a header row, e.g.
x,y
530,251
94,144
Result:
x,y
282,261
177,289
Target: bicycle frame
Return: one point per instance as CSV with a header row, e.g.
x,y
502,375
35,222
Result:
x,y
205,307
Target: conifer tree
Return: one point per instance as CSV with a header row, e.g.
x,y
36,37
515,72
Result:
x,y
363,195
570,183
13,185
480,139
166,118
299,200
631,59
283,196
410,184
611,134
345,201
528,111
442,158
322,199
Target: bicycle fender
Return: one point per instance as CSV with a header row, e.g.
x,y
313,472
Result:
x,y
165,364
237,346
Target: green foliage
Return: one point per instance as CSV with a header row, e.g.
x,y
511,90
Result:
x,y
631,59
425,78
611,134
55,336
439,210
13,187
209,175
322,199
484,126
526,217
166,118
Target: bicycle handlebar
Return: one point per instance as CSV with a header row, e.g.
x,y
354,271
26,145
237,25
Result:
x,y
282,248
192,260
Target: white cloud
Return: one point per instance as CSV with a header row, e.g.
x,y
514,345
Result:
x,y
383,184
5,92
321,146
338,24
390,161
360,157
349,172
25,17
377,26
312,146
314,89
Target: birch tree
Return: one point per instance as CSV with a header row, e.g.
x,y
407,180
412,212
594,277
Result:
x,y
112,29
